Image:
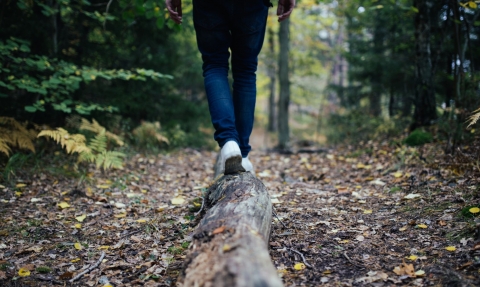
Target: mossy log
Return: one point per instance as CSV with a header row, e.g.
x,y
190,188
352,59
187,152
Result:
x,y
230,244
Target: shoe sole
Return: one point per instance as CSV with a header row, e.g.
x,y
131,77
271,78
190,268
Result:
x,y
234,165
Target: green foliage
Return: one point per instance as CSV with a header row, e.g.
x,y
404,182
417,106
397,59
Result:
x,y
465,212
419,137
15,163
356,126
43,269
53,82
148,135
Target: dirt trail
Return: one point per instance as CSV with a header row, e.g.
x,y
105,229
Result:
x,y
379,216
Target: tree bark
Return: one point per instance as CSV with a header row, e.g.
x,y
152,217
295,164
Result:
x,y
283,77
272,85
229,246
425,105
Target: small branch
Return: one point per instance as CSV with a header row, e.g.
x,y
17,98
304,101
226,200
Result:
x,y
88,269
350,260
303,258
274,213
201,208
106,14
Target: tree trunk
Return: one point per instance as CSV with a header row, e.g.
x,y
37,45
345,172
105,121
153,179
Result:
x,y
271,75
283,77
376,77
230,244
425,105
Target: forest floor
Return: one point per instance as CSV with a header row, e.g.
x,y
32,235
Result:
x,y
382,215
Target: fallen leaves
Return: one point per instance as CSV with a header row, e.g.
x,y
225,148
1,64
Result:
x,y
299,266
63,205
77,246
405,269
450,248
22,272
179,200
81,218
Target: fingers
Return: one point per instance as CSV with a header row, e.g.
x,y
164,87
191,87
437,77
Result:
x,y
285,8
175,11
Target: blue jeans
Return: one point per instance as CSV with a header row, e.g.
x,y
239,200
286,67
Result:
x,y
238,26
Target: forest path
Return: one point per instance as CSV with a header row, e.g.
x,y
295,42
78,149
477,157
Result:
x,y
378,216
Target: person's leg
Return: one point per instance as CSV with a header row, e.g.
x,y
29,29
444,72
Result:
x,y
213,40
247,39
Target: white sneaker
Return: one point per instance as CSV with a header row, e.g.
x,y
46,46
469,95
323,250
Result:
x,y
231,158
247,165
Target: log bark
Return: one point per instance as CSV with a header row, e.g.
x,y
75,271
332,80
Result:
x,y
230,244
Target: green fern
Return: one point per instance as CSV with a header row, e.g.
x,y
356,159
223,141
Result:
x,y
95,127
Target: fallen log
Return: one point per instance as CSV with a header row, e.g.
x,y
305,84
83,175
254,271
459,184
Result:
x,y
230,244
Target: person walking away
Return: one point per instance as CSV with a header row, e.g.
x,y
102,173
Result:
x,y
235,27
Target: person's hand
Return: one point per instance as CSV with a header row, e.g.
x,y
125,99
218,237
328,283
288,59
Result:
x,y
174,8
285,8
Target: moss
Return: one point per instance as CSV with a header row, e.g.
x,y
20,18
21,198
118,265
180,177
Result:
x,y
418,137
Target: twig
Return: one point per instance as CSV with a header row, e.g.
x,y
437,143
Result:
x,y
201,208
303,258
106,14
88,269
274,213
130,233
350,260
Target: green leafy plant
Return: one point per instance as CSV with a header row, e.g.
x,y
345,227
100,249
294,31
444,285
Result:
x,y
418,137
96,151
54,81
148,134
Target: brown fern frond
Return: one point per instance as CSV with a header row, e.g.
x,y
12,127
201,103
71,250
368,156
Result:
x,y
71,143
474,118
16,134
4,147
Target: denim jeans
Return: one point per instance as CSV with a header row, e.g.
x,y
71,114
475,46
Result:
x,y
238,26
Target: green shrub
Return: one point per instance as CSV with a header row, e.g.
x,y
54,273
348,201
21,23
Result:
x,y
418,137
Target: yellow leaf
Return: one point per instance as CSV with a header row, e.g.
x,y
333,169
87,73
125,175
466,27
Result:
x,y
422,226
299,266
412,257
75,260
104,247
22,272
77,246
178,200
403,228
20,185
398,174
144,191
450,248
472,5
343,241
18,193
141,220
89,191
474,210
81,218
78,226
367,211
121,215
103,186
360,165
63,205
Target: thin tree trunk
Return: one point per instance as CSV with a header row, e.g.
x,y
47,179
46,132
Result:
x,y
272,86
283,76
425,105
376,78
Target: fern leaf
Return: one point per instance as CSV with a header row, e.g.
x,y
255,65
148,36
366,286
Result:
x,y
474,118
95,127
99,142
4,147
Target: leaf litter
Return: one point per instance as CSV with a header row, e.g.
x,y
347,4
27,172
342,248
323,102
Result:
x,y
346,217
